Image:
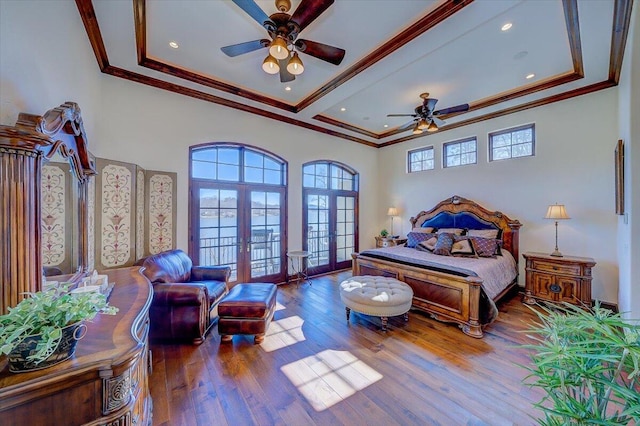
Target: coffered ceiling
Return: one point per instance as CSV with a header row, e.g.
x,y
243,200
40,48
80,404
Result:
x,y
456,50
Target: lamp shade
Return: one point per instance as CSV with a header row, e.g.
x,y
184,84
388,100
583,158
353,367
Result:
x,y
278,48
432,127
416,130
270,65
392,211
556,211
295,66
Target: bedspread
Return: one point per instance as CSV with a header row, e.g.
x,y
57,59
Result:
x,y
496,273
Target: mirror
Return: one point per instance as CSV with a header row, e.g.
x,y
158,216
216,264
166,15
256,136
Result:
x,y
59,208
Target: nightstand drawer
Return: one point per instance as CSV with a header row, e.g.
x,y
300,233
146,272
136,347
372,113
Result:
x,y
556,268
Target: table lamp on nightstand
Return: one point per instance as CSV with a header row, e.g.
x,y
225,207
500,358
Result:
x,y
392,212
557,212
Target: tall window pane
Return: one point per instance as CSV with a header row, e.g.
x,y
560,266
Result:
x,y
512,143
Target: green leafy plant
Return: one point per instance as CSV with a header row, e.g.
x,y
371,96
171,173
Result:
x,y
384,233
587,362
45,313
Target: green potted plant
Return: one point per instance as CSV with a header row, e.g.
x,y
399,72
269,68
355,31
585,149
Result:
x,y
43,329
587,362
384,233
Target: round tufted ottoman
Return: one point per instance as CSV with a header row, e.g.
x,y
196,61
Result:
x,y
378,296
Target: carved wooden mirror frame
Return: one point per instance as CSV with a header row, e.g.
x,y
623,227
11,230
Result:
x,y
22,148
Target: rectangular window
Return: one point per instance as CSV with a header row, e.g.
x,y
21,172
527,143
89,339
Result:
x,y
460,153
421,159
512,143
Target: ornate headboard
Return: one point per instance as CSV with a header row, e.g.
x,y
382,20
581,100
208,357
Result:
x,y
459,212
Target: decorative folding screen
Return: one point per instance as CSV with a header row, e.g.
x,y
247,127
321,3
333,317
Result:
x,y
135,213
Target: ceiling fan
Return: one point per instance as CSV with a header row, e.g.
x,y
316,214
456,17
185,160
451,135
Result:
x,y
424,117
284,30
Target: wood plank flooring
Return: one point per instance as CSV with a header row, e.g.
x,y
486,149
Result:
x,y
315,369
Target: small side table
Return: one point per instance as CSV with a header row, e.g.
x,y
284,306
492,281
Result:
x,y
558,279
389,241
298,261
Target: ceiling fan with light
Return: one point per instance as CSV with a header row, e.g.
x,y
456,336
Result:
x,y
424,117
284,29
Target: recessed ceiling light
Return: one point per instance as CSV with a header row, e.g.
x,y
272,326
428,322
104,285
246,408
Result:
x,y
530,76
385,126
173,44
507,26
343,109
288,88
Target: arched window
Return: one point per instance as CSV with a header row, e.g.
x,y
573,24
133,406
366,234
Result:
x,y
238,210
330,200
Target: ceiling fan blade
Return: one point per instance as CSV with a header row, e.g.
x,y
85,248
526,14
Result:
x,y
308,11
406,126
438,122
285,76
246,47
253,10
457,108
333,55
402,115
430,103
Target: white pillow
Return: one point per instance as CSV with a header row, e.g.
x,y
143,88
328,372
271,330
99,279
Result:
x,y
426,230
456,231
484,233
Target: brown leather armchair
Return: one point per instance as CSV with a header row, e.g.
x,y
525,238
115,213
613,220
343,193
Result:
x,y
185,297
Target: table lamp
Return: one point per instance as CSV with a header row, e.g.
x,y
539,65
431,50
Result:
x,y
392,212
557,212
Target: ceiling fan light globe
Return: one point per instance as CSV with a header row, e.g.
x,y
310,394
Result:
x,y
422,124
295,65
270,65
416,131
278,49
432,127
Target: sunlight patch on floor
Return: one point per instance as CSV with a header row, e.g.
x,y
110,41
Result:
x,y
329,377
282,333
279,307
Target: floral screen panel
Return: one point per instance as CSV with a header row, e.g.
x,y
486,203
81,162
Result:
x,y
115,214
140,213
57,218
160,202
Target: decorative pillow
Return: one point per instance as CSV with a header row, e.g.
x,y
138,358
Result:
x,y
463,247
425,230
486,247
456,231
413,238
485,233
428,245
444,244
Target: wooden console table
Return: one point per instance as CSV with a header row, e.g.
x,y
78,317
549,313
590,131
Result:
x,y
105,383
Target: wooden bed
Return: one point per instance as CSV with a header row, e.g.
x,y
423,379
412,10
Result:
x,y
444,296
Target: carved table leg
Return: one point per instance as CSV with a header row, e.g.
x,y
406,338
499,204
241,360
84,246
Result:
x,y
528,299
348,313
384,323
406,317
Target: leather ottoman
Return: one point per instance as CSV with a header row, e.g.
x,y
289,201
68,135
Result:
x,y
247,309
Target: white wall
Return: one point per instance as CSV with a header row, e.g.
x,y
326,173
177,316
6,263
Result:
x,y
573,165
629,225
46,60
154,129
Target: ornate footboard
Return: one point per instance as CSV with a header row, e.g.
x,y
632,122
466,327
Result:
x,y
445,297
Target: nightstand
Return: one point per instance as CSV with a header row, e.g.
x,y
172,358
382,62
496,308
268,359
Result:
x,y
389,242
558,279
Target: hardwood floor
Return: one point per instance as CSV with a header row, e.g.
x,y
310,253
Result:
x,y
315,369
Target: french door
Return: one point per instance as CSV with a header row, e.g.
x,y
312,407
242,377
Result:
x,y
330,229
242,226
